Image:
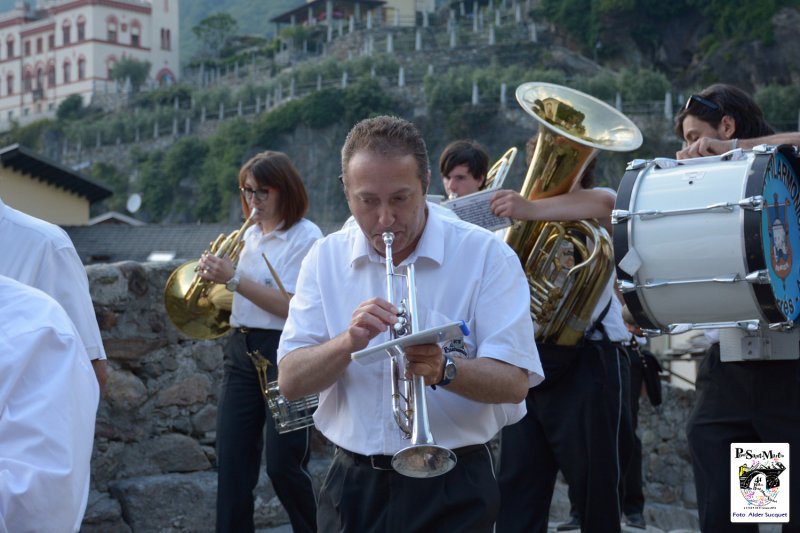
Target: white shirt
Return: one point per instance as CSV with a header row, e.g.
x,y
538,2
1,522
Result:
x,y
463,273
613,322
48,399
285,251
40,254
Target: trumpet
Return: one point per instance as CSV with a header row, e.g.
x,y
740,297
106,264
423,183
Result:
x,y
423,458
200,308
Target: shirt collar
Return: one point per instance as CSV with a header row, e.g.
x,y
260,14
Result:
x,y
277,233
430,245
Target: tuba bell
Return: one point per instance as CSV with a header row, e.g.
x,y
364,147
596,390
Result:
x,y
573,128
200,308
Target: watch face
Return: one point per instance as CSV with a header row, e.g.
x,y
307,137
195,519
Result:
x,y
450,369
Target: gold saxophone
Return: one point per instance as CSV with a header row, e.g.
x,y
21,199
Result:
x,y
573,128
200,308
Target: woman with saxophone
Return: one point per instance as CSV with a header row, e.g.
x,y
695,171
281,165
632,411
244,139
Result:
x,y
262,284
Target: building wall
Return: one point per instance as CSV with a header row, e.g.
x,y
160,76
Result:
x,y
42,200
80,60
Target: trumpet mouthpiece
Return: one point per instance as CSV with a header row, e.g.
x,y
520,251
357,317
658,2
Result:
x,y
452,196
388,238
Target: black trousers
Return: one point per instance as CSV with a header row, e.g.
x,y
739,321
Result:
x,y
357,498
631,494
243,426
741,402
574,424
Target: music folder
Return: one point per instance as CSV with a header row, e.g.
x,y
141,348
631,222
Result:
x,y
434,335
476,208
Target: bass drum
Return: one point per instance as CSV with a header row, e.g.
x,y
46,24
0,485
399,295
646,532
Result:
x,y
710,242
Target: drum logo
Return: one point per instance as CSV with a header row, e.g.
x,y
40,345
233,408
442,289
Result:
x,y
780,245
780,233
759,484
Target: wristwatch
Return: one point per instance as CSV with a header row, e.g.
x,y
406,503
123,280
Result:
x,y
449,373
233,283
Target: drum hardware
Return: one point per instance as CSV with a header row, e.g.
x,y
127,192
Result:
x,y
288,415
759,345
754,203
754,277
744,325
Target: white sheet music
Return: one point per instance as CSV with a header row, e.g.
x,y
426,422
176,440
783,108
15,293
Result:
x,y
476,208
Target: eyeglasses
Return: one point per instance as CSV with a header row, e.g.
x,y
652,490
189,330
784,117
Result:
x,y
260,194
699,99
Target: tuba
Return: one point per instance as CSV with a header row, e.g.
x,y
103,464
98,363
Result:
x,y
573,128
497,174
200,308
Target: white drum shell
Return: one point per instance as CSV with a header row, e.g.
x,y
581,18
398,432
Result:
x,y
704,245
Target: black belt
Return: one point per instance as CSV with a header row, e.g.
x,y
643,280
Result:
x,y
244,330
384,462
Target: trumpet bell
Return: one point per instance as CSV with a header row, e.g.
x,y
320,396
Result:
x,y
208,316
424,460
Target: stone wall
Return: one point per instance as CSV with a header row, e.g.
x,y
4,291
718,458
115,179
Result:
x,y
154,456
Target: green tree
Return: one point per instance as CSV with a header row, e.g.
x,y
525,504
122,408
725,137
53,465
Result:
x,y
70,108
214,32
131,69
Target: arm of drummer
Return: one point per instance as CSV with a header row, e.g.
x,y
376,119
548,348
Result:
x,y
311,369
220,270
705,146
574,205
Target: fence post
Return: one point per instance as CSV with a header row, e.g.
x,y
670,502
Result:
x,y
532,30
344,79
351,24
491,35
497,17
430,69
187,125
475,16
174,126
668,105
475,98
618,102
425,21
453,38
389,43
203,115
97,140
155,129
503,96
258,104
221,111
319,82
291,87
418,40
401,77
239,108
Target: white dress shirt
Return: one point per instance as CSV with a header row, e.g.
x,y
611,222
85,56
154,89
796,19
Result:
x,y
48,400
40,254
462,273
285,251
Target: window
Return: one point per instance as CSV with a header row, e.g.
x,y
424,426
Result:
x,y
10,84
65,30
39,78
26,81
27,48
39,45
51,75
81,68
110,63
10,47
135,31
112,29
165,40
81,29
66,71
51,41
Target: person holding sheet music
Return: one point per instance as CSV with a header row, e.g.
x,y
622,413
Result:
x,y
463,165
262,284
462,273
578,419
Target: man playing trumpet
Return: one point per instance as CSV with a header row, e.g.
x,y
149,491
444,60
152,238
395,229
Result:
x,y
462,273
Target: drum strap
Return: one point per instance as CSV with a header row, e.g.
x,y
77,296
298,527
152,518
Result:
x,y
598,324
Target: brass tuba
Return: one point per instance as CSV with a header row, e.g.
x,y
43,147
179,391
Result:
x,y
200,308
573,128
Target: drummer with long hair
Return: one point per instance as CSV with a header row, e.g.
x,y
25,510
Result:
x,y
270,184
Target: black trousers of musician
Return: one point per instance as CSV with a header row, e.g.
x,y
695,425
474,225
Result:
x,y
243,426
360,495
631,494
754,401
574,423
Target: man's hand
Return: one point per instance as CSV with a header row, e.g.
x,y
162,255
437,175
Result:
x,y
705,146
426,360
369,319
510,204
